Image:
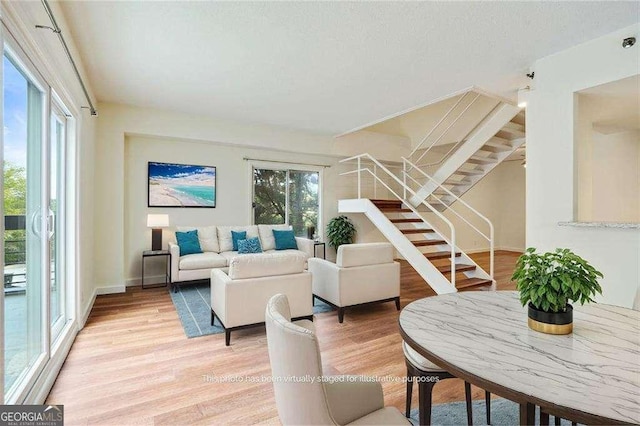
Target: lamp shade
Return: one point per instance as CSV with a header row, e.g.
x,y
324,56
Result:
x,y
157,220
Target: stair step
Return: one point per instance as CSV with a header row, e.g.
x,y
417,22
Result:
x,y
445,269
468,172
439,255
394,210
495,146
422,243
457,182
387,203
482,160
472,282
416,220
511,131
416,231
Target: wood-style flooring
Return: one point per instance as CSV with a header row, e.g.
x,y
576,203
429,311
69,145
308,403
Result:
x,y
133,364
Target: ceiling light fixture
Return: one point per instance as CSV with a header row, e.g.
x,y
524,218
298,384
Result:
x,y
628,42
523,96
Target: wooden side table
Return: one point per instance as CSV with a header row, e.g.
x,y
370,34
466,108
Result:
x,y
316,244
155,253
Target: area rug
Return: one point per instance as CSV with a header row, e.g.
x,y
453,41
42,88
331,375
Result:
x,y
194,309
503,413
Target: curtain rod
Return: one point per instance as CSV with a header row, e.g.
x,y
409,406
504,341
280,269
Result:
x,y
284,162
56,29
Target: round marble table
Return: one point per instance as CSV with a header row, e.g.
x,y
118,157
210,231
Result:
x,y
591,376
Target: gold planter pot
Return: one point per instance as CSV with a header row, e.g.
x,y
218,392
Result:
x,y
551,322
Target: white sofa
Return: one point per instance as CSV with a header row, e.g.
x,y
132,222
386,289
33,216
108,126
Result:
x,y
362,274
217,247
239,298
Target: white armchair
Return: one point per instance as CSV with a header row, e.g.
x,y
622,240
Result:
x,y
337,400
362,274
238,299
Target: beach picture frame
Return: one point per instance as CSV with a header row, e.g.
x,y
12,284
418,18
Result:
x,y
181,185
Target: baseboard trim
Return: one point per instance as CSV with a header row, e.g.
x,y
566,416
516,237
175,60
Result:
x,y
87,310
511,249
112,289
151,280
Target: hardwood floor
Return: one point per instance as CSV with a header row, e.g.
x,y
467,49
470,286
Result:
x,y
132,363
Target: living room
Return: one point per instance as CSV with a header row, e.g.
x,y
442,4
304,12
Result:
x,y
294,87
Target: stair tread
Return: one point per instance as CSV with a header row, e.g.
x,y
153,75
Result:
x,y
440,254
386,202
482,160
468,172
472,282
415,220
459,268
422,243
416,231
394,210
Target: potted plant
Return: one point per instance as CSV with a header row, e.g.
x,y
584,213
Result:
x,y
548,282
340,230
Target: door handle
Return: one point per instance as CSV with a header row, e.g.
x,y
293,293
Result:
x,y
51,223
35,219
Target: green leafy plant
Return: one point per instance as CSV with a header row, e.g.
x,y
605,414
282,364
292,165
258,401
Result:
x,y
551,280
340,230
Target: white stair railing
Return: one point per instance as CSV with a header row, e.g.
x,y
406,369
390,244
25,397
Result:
x,y
451,241
407,165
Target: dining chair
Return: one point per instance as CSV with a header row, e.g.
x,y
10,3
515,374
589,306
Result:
x,y
320,400
428,375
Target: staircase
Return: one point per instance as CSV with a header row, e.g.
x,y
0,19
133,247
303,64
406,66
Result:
x,y
489,130
488,145
432,246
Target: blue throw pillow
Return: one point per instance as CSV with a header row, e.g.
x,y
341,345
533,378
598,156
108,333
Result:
x,y
236,236
188,242
285,240
250,245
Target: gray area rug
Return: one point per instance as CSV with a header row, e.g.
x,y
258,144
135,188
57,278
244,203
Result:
x,y
192,301
503,413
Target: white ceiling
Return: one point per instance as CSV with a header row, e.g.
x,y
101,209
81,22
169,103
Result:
x,y
321,66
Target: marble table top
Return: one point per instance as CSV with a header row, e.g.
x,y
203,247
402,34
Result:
x,y
594,370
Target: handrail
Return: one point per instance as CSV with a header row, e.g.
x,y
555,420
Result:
x,y
447,129
452,242
438,123
464,203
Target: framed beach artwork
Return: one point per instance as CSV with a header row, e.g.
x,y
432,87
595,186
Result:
x,y
181,185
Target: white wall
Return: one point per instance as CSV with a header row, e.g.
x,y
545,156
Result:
x,y
551,177
607,171
233,191
499,196
119,122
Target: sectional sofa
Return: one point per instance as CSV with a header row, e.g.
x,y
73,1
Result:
x,y
217,247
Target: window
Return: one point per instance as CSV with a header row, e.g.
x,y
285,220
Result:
x,y
287,196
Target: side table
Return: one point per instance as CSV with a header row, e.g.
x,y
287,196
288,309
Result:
x,y
316,244
155,253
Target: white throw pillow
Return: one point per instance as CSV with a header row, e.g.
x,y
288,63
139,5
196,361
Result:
x,y
207,237
224,235
267,239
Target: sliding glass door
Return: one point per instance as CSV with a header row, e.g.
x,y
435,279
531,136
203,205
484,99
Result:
x,y
36,296
24,337
286,196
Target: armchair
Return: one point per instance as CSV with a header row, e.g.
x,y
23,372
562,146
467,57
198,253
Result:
x,y
335,400
362,274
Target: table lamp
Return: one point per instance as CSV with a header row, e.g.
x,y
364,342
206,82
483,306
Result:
x,y
156,222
